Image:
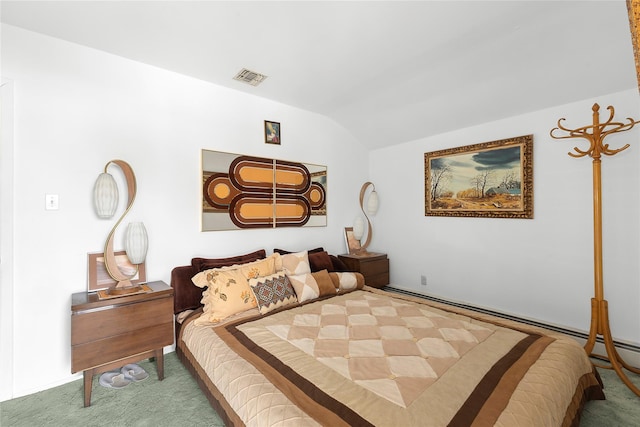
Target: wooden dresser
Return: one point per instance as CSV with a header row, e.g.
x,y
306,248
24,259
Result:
x,y
110,333
373,266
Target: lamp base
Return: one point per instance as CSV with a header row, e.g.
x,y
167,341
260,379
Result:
x,y
363,253
124,291
123,288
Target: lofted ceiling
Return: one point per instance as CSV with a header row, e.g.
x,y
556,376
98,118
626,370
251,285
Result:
x,y
388,71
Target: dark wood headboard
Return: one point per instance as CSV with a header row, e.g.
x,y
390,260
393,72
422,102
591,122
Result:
x,y
186,295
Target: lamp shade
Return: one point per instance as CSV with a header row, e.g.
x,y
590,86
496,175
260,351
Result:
x,y
136,242
373,203
105,195
358,228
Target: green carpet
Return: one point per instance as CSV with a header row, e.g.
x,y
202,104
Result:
x,y
622,407
177,401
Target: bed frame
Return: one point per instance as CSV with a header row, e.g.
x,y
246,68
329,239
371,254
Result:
x,y
187,297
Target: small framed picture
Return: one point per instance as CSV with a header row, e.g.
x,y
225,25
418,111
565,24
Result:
x,y
99,277
271,132
353,244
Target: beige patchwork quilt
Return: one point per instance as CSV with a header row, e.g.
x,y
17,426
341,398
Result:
x,y
370,357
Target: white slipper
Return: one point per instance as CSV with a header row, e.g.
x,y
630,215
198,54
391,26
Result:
x,y
114,379
134,372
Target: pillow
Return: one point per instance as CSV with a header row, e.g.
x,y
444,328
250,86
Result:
x,y
228,291
272,292
347,282
320,261
296,263
202,264
310,286
338,264
305,286
311,251
262,267
325,284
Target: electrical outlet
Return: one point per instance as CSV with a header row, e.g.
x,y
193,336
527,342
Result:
x,y
423,280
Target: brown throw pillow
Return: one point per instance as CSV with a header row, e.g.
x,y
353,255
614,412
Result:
x,y
325,284
320,261
338,264
284,252
202,264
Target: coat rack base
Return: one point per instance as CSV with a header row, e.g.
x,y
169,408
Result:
x,y
600,327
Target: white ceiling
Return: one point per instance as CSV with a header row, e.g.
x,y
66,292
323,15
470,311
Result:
x,y
389,71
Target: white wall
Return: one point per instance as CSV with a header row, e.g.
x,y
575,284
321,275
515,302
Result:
x,y
76,109
6,234
540,268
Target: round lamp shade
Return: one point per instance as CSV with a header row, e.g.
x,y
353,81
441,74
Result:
x,y
105,195
373,203
358,228
136,242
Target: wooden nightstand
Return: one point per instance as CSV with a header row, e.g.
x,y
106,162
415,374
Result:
x,y
110,333
373,266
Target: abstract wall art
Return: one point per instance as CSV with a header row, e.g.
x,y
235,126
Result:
x,y
243,192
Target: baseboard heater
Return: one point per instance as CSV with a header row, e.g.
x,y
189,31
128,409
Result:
x,y
555,328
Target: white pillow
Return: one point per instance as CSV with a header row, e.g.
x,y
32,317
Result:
x,y
296,263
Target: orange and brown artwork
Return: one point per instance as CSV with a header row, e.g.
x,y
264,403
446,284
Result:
x,y
253,192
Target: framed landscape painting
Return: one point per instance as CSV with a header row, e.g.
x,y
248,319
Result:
x,y
492,179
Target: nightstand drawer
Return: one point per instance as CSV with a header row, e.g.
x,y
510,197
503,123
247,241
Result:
x,y
379,266
100,323
377,280
96,353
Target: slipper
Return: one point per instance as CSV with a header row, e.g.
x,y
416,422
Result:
x,y
134,372
114,379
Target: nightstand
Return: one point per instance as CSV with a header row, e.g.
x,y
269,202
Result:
x,y
373,266
110,333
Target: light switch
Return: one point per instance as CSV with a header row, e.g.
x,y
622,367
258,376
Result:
x,y
51,202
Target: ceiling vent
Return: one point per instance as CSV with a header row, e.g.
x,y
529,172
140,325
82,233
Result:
x,y
251,77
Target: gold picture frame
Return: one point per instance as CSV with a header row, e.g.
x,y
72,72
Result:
x,y
633,7
98,277
492,180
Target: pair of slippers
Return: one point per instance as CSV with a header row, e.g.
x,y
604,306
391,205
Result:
x,y
123,377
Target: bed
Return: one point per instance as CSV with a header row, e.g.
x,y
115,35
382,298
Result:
x,y
344,353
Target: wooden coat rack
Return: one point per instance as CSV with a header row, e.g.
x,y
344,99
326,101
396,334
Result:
x,y
595,134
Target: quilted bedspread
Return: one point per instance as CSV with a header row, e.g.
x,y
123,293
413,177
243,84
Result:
x,y
370,357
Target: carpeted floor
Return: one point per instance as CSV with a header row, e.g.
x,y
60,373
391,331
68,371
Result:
x,y
622,407
177,401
